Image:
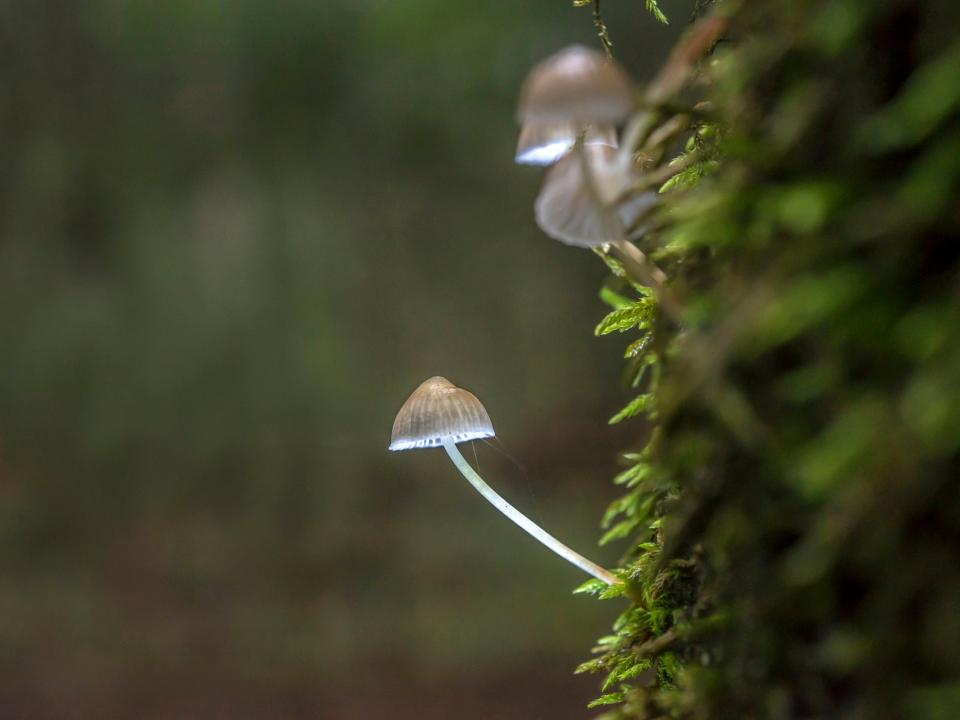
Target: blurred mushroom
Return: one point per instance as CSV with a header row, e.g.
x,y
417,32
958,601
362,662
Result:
x,y
585,200
588,199
576,92
438,413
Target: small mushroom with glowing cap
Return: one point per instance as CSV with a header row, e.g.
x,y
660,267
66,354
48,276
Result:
x,y
577,91
439,413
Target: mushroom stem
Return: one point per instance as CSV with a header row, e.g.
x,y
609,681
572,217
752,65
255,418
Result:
x,y
522,520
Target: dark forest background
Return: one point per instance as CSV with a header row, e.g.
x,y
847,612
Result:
x,y
233,237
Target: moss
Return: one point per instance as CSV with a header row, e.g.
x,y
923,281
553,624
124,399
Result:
x,y
794,521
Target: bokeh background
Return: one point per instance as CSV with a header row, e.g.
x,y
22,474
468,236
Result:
x,y
233,237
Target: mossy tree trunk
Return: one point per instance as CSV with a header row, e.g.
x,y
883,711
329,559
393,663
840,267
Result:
x,y
796,516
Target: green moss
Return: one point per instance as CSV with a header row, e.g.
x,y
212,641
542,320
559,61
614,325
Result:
x,y
790,528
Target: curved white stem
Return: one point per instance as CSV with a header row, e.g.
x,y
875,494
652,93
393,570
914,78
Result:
x,y
523,521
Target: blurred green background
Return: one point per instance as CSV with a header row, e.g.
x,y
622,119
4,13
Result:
x,y
233,238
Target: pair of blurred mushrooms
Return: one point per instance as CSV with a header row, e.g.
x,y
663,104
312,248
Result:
x,y
592,196
569,110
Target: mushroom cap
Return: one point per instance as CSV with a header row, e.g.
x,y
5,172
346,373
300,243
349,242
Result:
x,y
566,210
545,143
576,85
438,411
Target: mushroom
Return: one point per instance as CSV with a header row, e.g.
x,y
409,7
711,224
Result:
x,y
576,92
439,413
584,200
588,199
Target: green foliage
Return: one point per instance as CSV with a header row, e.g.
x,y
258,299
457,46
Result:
x,y
654,9
699,158
639,405
652,6
637,315
791,523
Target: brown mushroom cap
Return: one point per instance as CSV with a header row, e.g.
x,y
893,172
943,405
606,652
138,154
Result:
x,y
577,85
436,412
